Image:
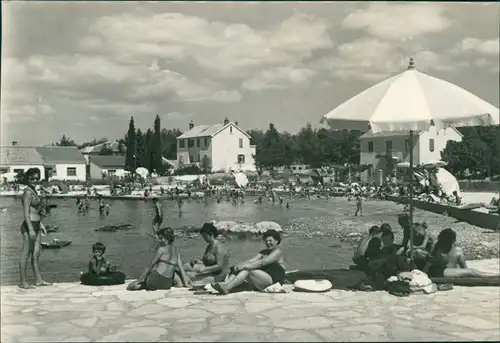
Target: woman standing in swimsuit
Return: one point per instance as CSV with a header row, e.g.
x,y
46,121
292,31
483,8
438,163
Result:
x,y
158,218
162,272
261,271
31,229
214,265
448,260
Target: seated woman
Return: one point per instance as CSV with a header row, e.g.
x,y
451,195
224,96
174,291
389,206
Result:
x,y
388,262
360,257
448,260
261,271
214,265
423,243
162,272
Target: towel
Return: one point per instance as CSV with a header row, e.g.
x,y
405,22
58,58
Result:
x,y
276,288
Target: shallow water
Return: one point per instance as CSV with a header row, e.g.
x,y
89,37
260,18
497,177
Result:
x,y
131,250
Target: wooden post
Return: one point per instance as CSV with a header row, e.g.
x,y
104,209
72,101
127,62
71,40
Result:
x,y
412,254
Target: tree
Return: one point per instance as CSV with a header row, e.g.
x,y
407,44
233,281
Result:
x,y
157,148
270,153
131,144
140,148
65,141
106,150
169,143
147,159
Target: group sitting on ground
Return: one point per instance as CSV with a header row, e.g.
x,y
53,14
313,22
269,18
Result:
x,y
380,258
167,269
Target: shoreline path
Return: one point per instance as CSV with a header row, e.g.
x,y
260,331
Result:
x,y
73,312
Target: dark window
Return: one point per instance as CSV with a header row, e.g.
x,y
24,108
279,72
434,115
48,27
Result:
x,y
241,159
388,147
197,142
241,142
71,171
190,143
231,129
181,143
191,159
206,141
370,146
431,144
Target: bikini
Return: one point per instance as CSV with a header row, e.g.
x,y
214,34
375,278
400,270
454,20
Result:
x,y
36,202
209,259
155,280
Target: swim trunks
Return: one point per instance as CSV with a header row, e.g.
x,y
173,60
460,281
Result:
x,y
36,227
155,281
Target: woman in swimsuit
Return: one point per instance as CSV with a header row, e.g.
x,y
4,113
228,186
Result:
x,y
214,265
162,272
31,229
261,271
448,260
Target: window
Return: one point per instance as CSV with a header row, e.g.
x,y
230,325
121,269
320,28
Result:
x,y
199,158
431,144
231,129
111,172
71,171
388,147
191,159
206,141
241,159
241,142
197,142
294,168
370,146
181,144
190,143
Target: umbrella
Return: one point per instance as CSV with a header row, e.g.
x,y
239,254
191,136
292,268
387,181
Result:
x,y
412,101
431,164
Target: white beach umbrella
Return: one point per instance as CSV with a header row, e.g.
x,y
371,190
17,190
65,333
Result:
x,y
412,101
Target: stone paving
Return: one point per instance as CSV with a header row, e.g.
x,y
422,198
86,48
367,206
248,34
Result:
x,y
73,312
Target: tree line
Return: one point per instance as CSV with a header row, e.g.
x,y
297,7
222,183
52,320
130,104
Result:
x,y
478,152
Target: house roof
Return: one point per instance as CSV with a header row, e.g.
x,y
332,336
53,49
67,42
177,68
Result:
x,y
108,161
208,131
388,134
60,155
12,155
113,145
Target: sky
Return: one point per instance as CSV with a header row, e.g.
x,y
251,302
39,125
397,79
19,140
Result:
x,y
83,69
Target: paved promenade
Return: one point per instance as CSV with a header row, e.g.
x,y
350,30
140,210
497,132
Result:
x,y
73,312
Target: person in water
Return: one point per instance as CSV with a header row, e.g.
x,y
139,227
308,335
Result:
x,y
359,205
31,229
359,257
162,273
448,260
102,205
214,265
261,271
158,218
98,264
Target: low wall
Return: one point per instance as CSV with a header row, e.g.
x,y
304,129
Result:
x,y
484,220
479,185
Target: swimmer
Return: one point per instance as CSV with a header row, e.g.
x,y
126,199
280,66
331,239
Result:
x,y
288,205
359,205
98,263
102,206
158,218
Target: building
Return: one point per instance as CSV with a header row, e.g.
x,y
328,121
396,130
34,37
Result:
x,y
113,146
54,162
224,146
381,151
102,166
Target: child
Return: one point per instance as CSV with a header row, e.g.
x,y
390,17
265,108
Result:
x,y
98,264
359,203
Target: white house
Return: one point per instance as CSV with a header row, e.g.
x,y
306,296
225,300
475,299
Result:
x,y
18,159
114,146
54,162
224,146
106,165
381,151
63,163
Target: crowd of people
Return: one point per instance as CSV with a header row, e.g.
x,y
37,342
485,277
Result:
x,y
377,254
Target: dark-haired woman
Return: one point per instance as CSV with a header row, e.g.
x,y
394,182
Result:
x,y
162,273
261,271
31,229
214,265
448,260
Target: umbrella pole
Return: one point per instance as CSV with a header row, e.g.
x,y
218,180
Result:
x,y
412,255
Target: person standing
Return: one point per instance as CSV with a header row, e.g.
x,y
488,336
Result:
x,y
31,229
158,217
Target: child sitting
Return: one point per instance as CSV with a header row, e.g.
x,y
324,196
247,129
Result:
x,y
98,264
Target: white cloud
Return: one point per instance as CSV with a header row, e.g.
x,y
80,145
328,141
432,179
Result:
x,y
489,47
279,78
398,21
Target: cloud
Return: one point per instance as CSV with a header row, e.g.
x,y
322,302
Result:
x,y
279,78
489,47
372,59
398,21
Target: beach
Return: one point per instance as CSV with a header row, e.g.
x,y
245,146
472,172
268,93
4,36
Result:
x,y
69,312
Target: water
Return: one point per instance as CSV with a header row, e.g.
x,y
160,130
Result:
x,y
132,251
